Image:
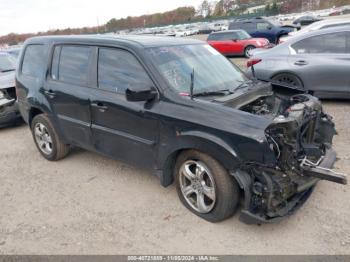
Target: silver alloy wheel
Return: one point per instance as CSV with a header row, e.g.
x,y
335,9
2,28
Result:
x,y
248,51
197,186
43,138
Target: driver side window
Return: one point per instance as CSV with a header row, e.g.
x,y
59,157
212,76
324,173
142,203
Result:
x,y
119,70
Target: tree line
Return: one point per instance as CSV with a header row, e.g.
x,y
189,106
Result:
x,y
208,9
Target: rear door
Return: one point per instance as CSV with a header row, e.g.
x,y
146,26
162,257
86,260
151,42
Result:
x,y
122,129
67,90
323,62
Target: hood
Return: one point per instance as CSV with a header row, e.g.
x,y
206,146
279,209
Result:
x,y
7,79
263,41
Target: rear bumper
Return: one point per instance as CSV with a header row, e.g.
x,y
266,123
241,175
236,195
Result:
x,y
303,193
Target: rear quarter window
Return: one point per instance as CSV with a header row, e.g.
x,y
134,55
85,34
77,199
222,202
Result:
x,y
34,61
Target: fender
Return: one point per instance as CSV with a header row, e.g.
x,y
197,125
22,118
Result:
x,y
198,140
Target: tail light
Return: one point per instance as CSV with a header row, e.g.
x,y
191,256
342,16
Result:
x,y
252,62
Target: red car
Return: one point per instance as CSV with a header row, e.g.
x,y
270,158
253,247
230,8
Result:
x,y
236,42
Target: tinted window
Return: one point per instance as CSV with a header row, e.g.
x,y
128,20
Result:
x,y
223,36
263,26
330,43
249,27
33,61
118,70
73,64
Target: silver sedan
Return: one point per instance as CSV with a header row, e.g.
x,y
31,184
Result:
x,y
317,62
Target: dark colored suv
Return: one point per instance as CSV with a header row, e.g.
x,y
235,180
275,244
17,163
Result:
x,y
262,27
182,109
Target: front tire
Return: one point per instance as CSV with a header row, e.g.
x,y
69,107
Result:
x,y
247,51
46,139
205,187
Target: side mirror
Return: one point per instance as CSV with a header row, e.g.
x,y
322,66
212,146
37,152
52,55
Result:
x,y
140,94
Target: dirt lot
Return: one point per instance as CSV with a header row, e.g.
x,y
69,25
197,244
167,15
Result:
x,y
89,204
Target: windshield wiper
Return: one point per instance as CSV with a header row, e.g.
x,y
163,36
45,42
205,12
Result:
x,y
213,93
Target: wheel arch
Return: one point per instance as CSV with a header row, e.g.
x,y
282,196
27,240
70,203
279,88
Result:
x,y
34,111
290,73
200,141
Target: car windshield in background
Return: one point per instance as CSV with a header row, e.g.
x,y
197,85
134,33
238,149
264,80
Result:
x,y
212,71
7,63
275,23
243,35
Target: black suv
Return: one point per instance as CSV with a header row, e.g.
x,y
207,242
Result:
x,y
182,109
262,27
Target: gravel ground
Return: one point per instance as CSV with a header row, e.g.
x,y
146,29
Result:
x,y
89,204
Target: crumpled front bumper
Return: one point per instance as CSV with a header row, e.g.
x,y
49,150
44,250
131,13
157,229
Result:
x,y
9,112
303,193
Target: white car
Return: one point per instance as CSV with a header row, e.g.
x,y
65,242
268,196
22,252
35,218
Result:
x,y
183,33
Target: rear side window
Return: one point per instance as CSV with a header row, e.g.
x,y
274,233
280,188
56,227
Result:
x,y
263,26
335,43
33,61
221,36
70,64
119,70
249,27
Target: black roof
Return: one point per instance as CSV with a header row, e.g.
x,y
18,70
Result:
x,y
135,40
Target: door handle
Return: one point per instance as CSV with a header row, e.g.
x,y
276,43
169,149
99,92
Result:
x,y
301,63
100,106
51,94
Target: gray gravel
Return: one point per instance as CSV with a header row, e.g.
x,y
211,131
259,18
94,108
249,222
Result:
x,y
89,204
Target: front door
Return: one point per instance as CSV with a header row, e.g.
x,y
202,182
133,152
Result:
x,y
68,92
121,129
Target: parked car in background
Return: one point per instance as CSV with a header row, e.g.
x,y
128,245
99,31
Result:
x,y
305,20
236,42
205,29
317,62
262,27
219,26
9,113
179,107
323,24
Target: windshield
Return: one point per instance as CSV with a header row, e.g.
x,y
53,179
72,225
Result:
x,y
275,23
212,71
243,35
7,63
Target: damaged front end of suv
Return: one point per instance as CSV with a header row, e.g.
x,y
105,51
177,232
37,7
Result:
x,y
300,137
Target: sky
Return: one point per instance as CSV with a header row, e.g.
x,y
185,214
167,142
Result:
x,y
31,16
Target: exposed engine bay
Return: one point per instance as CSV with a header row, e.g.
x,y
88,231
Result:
x,y
300,135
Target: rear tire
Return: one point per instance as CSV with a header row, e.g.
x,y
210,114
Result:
x,y
205,187
47,140
247,51
289,80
